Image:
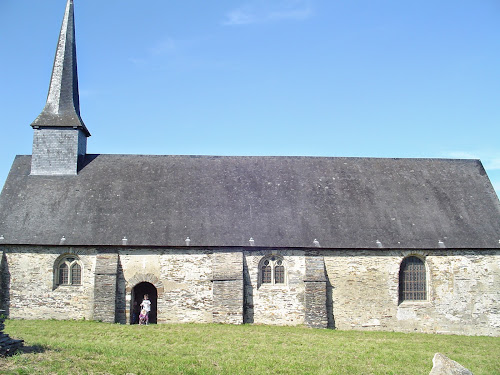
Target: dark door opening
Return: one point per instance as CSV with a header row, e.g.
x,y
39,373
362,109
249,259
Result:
x,y
137,296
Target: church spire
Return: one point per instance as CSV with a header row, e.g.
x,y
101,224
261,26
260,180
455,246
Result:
x,y
60,136
63,104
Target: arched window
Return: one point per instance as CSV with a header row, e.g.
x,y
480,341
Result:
x,y
272,270
76,274
266,272
412,280
63,274
279,272
69,271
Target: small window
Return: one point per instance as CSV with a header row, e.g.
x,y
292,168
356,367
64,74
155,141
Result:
x,y
412,280
272,270
279,272
63,274
69,271
266,273
76,274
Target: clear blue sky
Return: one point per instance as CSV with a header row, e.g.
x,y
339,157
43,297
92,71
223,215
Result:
x,y
278,77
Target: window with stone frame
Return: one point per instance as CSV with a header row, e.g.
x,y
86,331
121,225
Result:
x,y
412,280
272,271
69,271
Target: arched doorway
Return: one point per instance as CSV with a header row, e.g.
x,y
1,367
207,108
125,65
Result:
x,y
137,296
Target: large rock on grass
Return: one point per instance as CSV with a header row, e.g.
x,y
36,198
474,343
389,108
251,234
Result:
x,y
442,365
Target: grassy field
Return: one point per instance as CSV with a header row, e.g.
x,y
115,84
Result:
x,y
82,347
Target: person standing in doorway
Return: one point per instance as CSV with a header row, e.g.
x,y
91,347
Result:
x,y
145,309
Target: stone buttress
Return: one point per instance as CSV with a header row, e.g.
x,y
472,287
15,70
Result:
x,y
106,272
228,287
315,292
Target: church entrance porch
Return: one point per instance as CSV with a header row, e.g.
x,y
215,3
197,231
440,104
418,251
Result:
x,y
137,296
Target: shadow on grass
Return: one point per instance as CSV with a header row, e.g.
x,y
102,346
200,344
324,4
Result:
x,y
33,349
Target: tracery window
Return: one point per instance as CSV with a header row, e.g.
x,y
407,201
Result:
x,y
63,274
266,272
412,280
279,272
69,271
272,270
76,274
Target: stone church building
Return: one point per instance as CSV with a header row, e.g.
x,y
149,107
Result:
x,y
348,243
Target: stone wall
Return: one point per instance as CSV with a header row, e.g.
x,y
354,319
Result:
x,y
345,289
4,284
282,304
28,273
183,279
463,292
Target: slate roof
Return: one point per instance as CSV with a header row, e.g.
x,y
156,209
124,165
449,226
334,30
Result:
x,y
62,108
279,201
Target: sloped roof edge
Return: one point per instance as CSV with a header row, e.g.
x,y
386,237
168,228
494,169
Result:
x,y
278,201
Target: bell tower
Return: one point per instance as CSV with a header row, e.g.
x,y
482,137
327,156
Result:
x,y
60,136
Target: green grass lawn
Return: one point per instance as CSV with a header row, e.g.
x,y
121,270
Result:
x,y
83,347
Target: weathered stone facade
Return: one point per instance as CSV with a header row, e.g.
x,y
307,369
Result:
x,y
463,291
183,279
29,285
344,289
281,304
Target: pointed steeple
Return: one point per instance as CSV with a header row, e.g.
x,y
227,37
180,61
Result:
x,y
63,104
60,136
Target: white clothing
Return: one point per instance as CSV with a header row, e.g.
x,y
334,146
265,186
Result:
x,y
146,305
